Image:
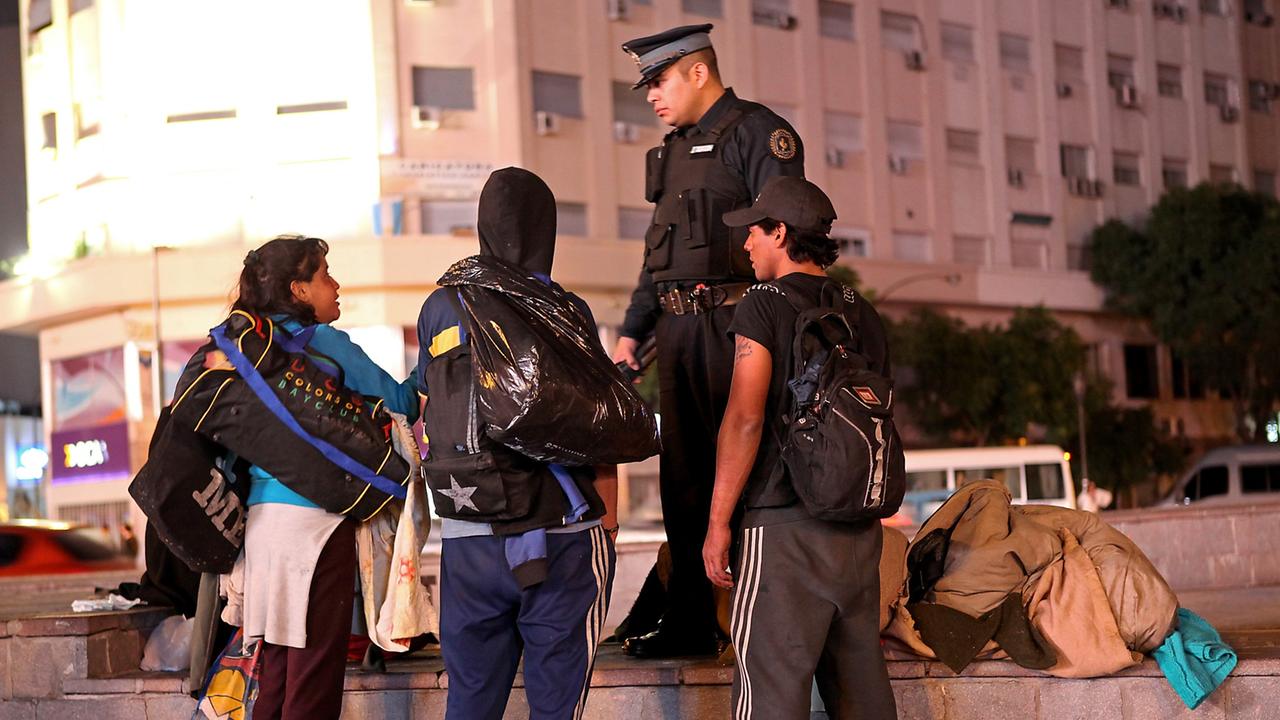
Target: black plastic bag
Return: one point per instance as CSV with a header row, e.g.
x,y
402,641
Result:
x,y
544,386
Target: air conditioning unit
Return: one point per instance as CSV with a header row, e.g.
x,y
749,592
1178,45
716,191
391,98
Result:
x,y
835,157
1179,14
1229,113
1015,177
427,117
898,165
1263,19
784,21
1173,11
625,132
546,123
1064,89
914,59
1078,186
1095,188
616,9
1127,96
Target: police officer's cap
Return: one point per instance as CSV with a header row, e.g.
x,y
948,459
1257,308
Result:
x,y
654,53
792,200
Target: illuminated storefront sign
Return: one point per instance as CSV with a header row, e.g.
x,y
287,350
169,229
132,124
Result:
x,y
94,453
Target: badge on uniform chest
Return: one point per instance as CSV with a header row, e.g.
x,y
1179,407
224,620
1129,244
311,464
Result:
x,y
702,149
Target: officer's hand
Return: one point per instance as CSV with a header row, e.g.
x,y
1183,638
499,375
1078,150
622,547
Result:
x,y
715,556
625,351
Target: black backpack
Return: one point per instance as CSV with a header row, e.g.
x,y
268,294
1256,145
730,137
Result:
x,y
840,448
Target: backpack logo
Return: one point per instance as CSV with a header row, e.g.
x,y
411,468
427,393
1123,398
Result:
x,y
867,395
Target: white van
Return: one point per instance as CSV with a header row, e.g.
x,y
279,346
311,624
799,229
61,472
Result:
x,y
1033,474
1230,475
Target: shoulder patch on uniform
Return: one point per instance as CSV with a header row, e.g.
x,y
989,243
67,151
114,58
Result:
x,y
782,144
765,286
849,294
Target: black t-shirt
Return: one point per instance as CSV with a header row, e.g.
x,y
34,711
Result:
x,y
765,316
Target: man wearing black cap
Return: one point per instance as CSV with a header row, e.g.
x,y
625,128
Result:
x,y
806,592
717,159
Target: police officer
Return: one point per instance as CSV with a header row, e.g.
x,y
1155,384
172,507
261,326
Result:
x,y
717,159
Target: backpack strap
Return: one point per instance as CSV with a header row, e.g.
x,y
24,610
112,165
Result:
x,y
455,300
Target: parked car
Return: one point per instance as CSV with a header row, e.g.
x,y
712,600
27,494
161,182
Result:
x,y
43,547
1033,474
1230,475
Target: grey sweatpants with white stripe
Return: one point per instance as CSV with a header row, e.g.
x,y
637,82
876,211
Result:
x,y
806,608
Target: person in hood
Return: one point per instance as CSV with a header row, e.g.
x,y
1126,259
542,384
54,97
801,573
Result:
x,y
493,609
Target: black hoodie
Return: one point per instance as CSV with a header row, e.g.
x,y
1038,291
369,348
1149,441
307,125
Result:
x,y
517,220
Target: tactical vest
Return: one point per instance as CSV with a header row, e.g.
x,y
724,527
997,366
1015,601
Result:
x,y
693,189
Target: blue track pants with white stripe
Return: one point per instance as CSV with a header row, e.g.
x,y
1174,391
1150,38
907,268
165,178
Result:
x,y
487,622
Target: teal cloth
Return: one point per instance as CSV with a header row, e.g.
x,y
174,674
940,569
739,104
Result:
x,y
1194,659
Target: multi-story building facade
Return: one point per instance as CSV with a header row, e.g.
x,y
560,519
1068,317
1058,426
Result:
x,y
970,147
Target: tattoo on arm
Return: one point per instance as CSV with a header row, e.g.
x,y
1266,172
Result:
x,y
742,349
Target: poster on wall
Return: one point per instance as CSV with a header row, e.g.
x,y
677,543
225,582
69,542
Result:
x,y
176,355
89,390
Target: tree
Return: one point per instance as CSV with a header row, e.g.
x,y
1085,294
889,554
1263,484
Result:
x,y
1205,273
987,384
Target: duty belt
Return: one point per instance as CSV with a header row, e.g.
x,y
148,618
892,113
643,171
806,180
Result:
x,y
700,298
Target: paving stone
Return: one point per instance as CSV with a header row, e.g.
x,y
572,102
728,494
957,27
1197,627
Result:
x,y
18,710
37,666
55,624
1095,699
6,685
1265,569
170,707
920,699
904,669
1150,698
99,686
427,705
1252,698
1231,571
707,675
101,708
114,653
380,705
990,699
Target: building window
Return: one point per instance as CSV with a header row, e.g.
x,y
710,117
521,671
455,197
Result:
x,y
1264,181
1120,71
633,223
1217,89
1187,384
1125,169
705,8
1068,64
1015,53
970,250
853,243
962,147
1078,258
899,31
629,106
1140,375
844,137
1020,154
906,143
773,13
1169,81
1028,254
39,15
957,43
1213,7
444,88
1076,162
1174,173
1260,94
1221,174
912,247
571,219
448,217
557,94
835,19
49,124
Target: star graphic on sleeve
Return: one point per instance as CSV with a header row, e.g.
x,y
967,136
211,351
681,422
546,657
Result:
x,y
461,496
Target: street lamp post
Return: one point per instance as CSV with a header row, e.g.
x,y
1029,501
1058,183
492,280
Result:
x,y
157,356
950,278
1078,384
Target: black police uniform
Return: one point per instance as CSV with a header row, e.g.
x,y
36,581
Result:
x,y
695,271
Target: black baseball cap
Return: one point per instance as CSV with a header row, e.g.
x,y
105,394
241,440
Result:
x,y
792,200
653,53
